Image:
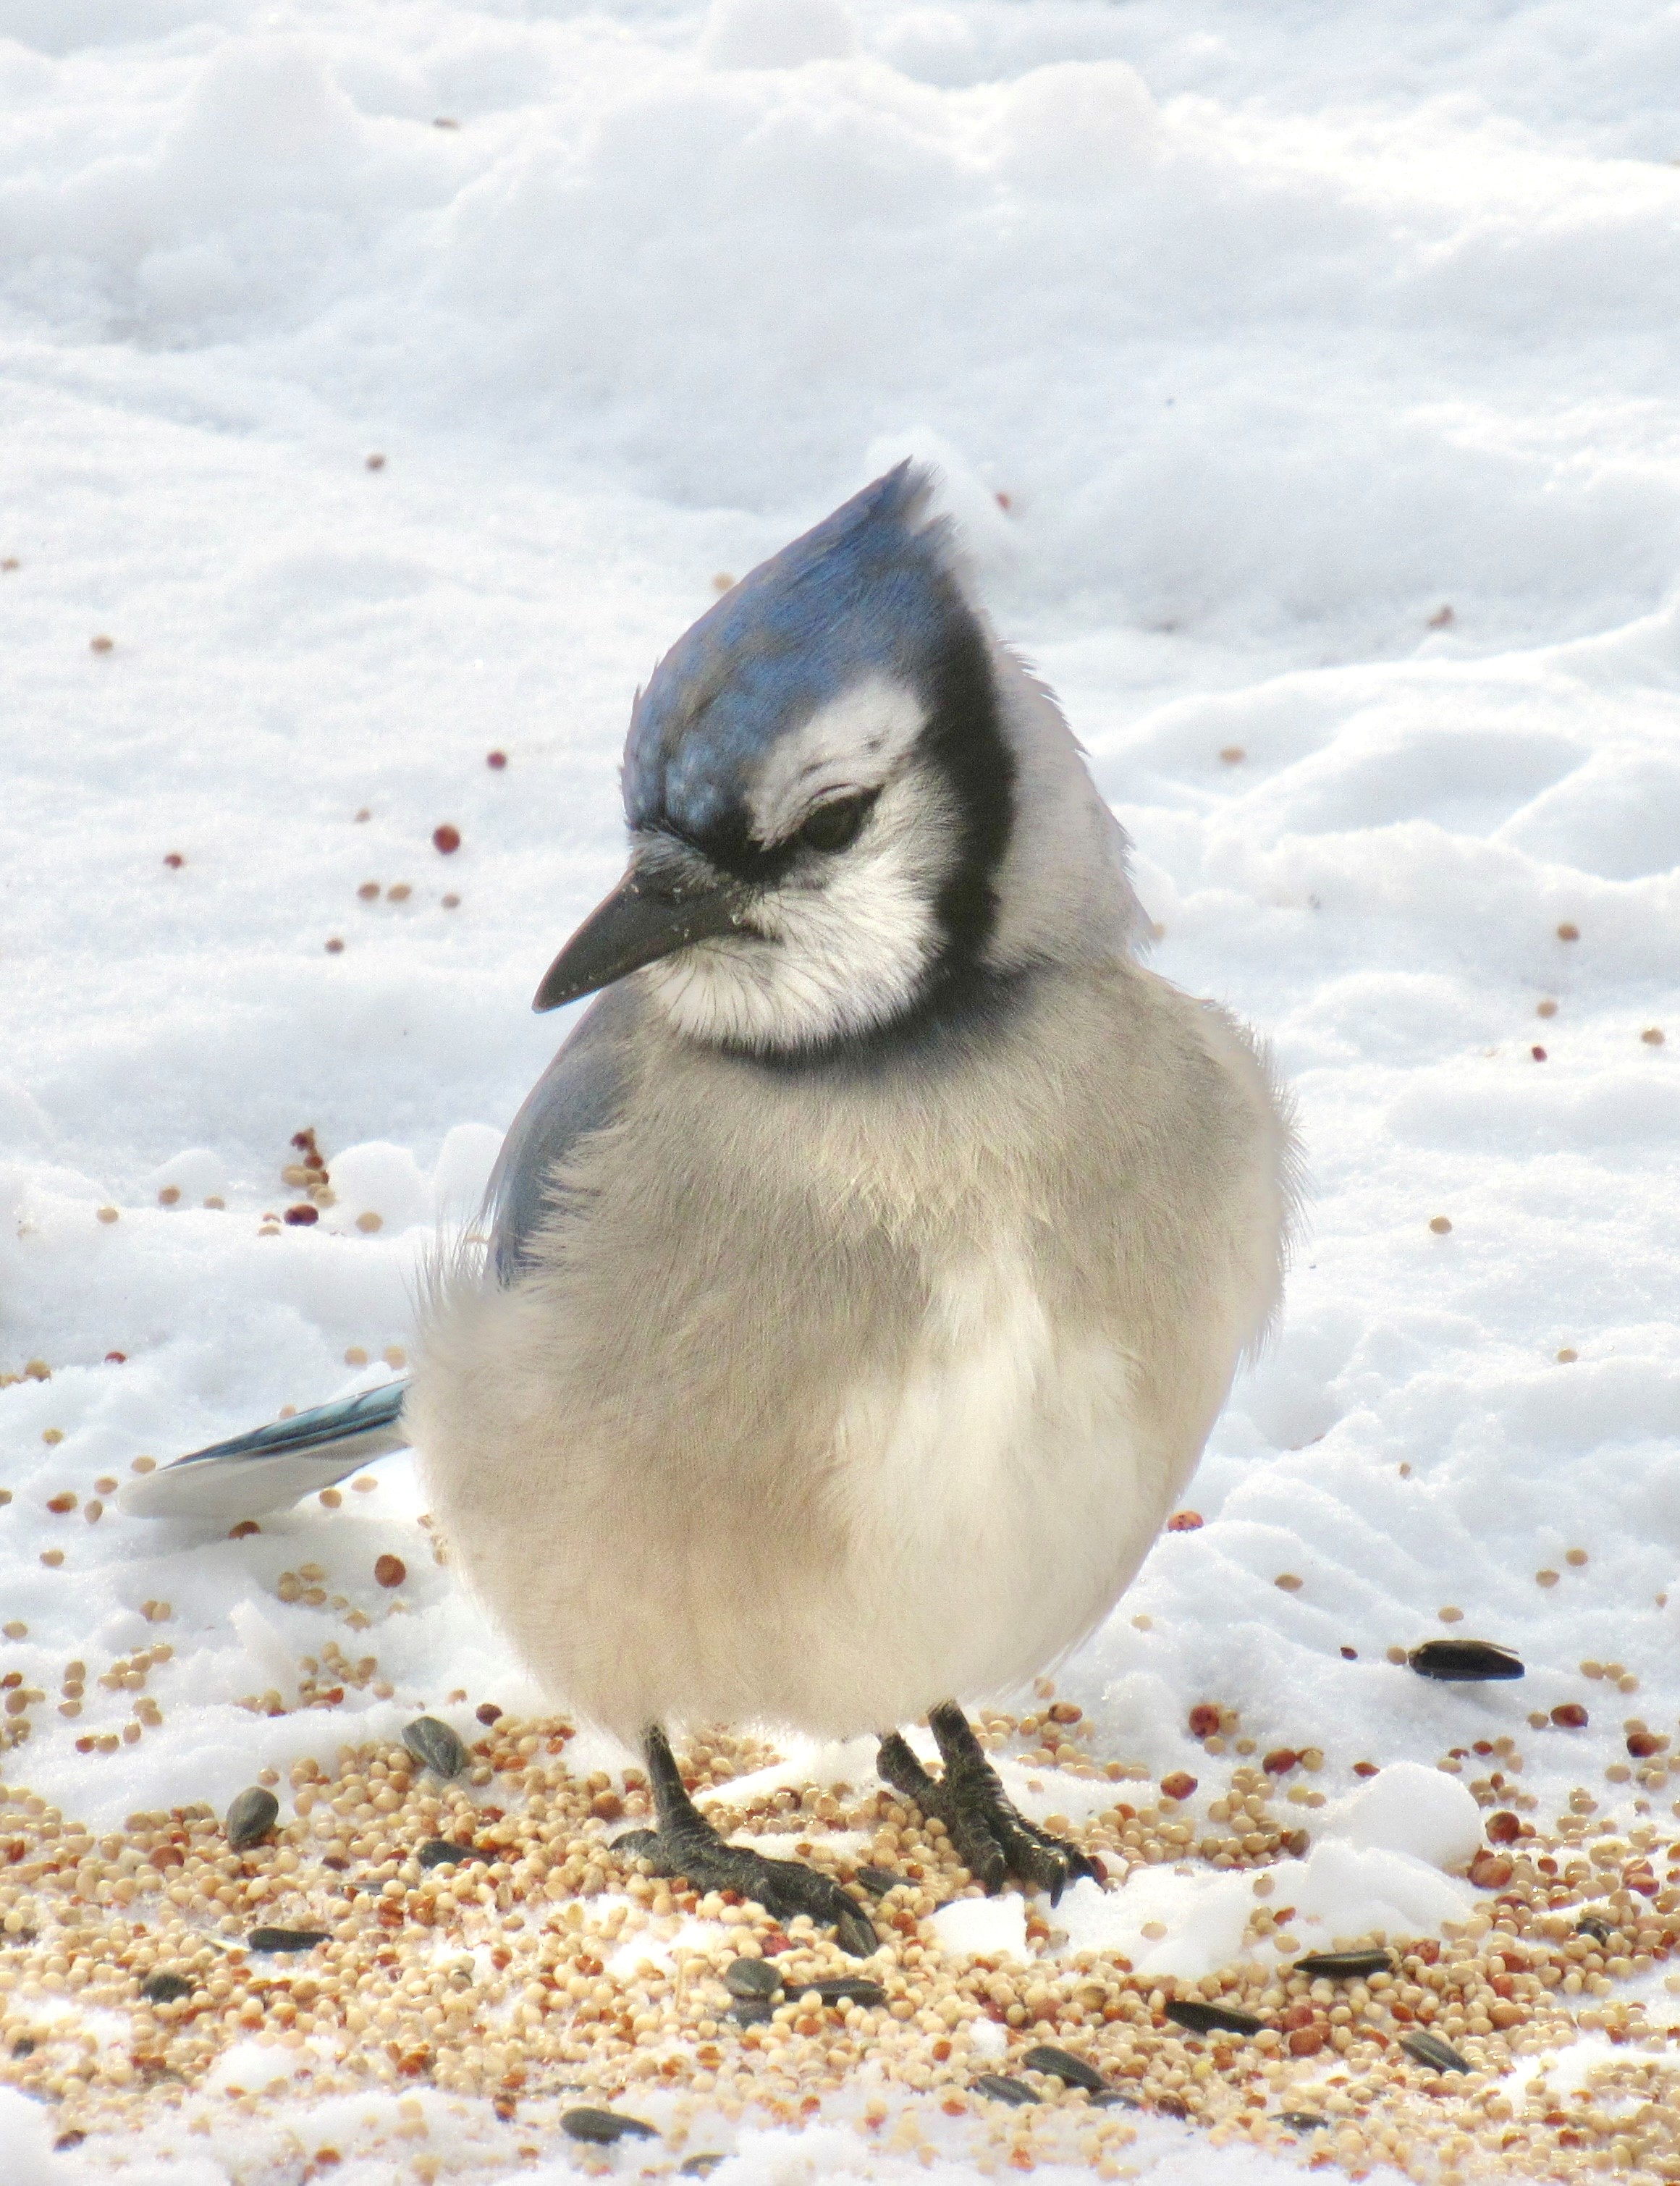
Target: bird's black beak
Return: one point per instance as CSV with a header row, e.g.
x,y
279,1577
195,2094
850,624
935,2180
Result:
x,y
642,920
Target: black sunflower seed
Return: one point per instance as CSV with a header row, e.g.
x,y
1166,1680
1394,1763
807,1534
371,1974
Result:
x,y
434,1746
439,1851
700,2167
1111,2099
1302,2121
753,2011
844,1988
1002,2089
1591,1925
878,1880
1430,2049
286,1939
1211,2018
1344,1965
752,1977
1073,2070
604,2126
252,1815
165,1988
1464,1662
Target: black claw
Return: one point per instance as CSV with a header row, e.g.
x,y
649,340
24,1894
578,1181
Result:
x,y
686,1843
992,1840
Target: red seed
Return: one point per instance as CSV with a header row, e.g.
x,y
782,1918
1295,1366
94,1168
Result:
x,y
174,861
1538,1053
390,1571
1350,1654
335,947
1503,1828
1204,1719
1491,1870
1184,1521
498,759
1642,1744
302,1215
1178,1785
1367,1768
1298,2014
116,1359
1306,2042
488,1712
1281,1762
1569,1715
446,838
1568,931
607,1806
245,1527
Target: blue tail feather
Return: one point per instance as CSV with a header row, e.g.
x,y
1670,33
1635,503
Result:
x,y
272,1466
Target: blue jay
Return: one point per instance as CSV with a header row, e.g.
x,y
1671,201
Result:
x,y
868,1268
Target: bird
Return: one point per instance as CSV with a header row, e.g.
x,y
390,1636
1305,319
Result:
x,y
867,1271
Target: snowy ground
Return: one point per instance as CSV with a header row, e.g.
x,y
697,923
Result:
x,y
1325,363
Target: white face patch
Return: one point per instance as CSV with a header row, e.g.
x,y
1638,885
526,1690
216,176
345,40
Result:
x,y
855,743
847,937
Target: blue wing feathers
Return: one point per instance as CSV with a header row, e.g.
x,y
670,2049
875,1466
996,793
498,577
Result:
x,y
369,1411
582,1091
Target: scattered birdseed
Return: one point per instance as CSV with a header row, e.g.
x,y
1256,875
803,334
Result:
x,y
435,1746
1440,1225
446,839
1545,1579
496,759
1450,1616
1569,1715
604,2126
1289,1582
1234,754
1652,1036
1546,1009
398,891
368,891
1178,1785
101,644
1574,1556
335,947
375,463
278,1939
1184,1521
107,1215
252,1815
1567,1358
390,1571
1569,932
367,1221
1538,1053
1463,1661
302,1215
449,902
165,1988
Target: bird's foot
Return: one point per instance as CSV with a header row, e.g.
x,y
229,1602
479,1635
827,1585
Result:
x,y
994,1841
686,1843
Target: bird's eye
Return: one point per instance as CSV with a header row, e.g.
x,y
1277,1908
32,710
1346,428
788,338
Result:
x,y
838,825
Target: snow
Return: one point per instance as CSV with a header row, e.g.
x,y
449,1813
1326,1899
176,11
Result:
x,y
1325,363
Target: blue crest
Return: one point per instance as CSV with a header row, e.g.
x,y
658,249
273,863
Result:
x,y
868,591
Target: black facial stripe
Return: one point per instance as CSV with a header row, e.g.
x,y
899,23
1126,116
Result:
x,y
966,739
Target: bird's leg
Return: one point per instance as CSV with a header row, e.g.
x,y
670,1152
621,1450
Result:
x,y
686,1843
992,1841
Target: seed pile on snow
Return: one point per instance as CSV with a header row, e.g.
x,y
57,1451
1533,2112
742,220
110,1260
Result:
x,y
433,1916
